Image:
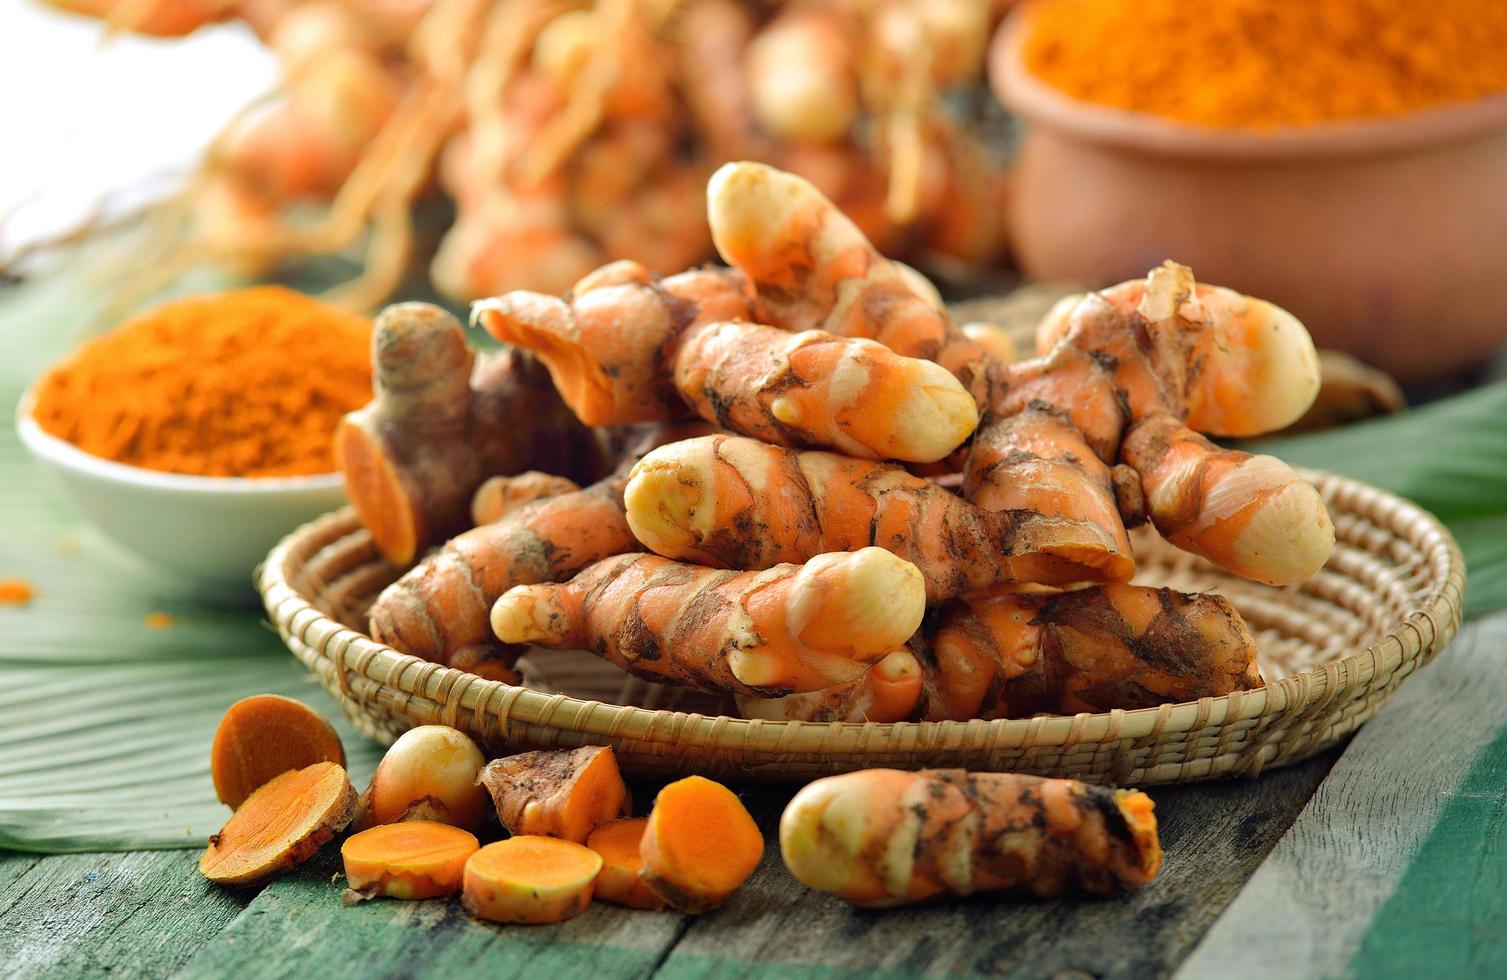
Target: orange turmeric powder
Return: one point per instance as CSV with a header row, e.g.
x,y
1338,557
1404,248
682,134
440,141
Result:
x,y
244,383
1263,64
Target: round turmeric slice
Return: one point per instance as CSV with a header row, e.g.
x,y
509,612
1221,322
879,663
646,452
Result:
x,y
531,880
621,879
280,825
264,736
699,844
410,860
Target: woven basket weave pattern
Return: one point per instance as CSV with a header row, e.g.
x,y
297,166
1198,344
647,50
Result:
x,y
1332,649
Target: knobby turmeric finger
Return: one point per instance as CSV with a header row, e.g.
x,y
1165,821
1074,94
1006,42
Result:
x,y
442,421
622,351
280,826
264,736
814,270
699,844
438,610
429,773
889,691
790,628
411,860
1097,649
565,793
621,879
1234,365
499,496
1253,515
605,342
737,503
882,837
530,880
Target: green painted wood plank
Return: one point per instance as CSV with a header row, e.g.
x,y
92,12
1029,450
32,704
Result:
x,y
297,925
129,915
1310,906
1215,836
1448,915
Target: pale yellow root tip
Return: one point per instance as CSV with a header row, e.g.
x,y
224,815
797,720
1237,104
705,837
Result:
x,y
934,418
668,500
521,614
874,601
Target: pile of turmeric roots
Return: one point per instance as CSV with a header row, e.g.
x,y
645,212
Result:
x,y
875,838
567,133
794,482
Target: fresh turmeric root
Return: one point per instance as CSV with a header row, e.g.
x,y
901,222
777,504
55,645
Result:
x,y
1111,646
621,879
1253,515
733,502
623,346
814,270
442,421
603,342
280,826
882,837
412,860
699,844
889,691
530,880
264,736
771,633
566,793
499,496
428,774
438,610
1150,362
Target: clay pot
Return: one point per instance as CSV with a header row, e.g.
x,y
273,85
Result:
x,y
1388,238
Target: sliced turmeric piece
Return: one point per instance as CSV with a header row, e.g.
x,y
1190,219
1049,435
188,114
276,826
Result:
x,y
417,859
280,826
699,844
564,793
530,880
621,879
263,736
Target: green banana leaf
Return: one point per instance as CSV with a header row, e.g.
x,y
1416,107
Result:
x,y
1450,457
105,722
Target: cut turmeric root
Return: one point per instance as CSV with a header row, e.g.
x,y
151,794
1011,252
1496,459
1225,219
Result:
x,y
417,859
280,826
566,793
264,736
530,880
621,879
699,844
882,837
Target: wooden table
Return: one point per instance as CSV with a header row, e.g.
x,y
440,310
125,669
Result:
x,y
1380,859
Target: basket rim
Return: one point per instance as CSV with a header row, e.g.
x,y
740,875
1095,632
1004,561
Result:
x,y
1426,627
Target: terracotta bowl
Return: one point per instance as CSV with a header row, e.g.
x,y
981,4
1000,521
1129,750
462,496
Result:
x,y
1387,238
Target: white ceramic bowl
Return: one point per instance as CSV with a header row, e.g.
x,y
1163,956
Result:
x,y
211,530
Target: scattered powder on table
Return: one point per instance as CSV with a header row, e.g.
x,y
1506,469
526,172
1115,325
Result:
x,y
243,383
160,621
15,592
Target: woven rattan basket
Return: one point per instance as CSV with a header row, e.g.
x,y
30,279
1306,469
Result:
x,y
1333,649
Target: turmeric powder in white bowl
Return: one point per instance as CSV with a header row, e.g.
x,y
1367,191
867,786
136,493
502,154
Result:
x,y
197,433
